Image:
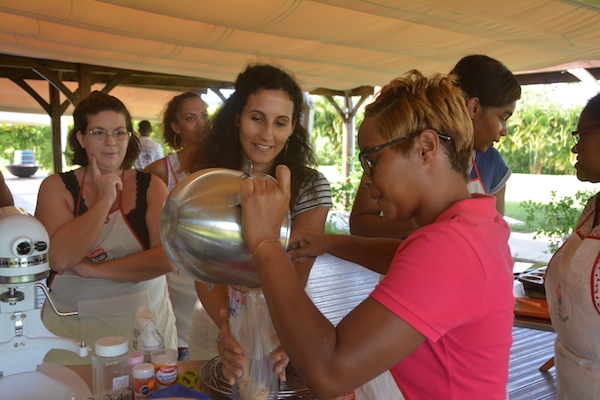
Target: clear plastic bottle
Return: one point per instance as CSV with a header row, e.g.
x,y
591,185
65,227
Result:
x,y
109,368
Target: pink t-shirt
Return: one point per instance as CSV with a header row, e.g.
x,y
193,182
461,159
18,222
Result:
x,y
452,281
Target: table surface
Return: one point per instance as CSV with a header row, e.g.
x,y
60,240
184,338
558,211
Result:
x,y
542,324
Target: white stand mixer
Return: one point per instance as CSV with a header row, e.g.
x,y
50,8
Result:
x,y
24,340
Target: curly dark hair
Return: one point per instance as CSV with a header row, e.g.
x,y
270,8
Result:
x,y
170,115
487,79
221,147
93,104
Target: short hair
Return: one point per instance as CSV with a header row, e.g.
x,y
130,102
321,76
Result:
x,y
170,115
487,79
144,126
592,108
413,103
91,105
221,147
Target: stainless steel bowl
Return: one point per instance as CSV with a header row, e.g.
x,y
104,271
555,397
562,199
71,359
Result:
x,y
200,228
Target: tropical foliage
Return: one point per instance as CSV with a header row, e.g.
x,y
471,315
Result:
x,y
557,218
21,137
539,139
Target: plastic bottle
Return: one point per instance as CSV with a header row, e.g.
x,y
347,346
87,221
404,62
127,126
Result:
x,y
109,369
133,359
165,367
143,381
146,337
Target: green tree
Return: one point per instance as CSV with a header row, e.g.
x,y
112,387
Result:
x,y
22,137
326,132
539,139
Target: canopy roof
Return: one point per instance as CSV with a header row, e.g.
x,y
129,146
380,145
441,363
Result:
x,y
54,52
331,44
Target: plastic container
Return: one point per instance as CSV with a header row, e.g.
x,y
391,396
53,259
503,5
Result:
x,y
109,368
143,381
165,367
133,359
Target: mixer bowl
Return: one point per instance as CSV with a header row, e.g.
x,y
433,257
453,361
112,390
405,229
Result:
x,y
201,228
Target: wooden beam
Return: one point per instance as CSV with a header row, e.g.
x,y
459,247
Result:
x,y
55,80
43,103
55,115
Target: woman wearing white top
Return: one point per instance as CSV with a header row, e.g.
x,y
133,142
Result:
x,y
185,120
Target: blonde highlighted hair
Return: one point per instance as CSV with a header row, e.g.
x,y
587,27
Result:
x,y
412,103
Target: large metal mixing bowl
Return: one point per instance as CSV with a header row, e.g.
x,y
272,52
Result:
x,y
201,230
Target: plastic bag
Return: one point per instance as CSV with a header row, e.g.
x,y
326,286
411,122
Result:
x,y
146,338
252,327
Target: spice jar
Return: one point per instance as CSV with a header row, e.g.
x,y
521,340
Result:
x,y
143,381
109,369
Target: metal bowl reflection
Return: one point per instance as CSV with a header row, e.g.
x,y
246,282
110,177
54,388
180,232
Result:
x,y
201,232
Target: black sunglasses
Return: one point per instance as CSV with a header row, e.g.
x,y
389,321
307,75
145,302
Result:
x,y
367,165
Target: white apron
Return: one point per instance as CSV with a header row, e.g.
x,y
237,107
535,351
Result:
x,y
382,387
573,293
182,290
475,185
107,308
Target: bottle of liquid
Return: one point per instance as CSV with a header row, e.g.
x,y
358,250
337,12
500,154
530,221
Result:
x,y
143,381
109,369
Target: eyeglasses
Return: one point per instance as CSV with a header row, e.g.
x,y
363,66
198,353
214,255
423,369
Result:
x,y
577,134
101,135
367,165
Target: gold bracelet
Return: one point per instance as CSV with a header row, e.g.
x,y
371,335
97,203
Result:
x,y
259,245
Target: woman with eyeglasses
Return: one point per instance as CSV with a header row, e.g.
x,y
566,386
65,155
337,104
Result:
x,y
491,92
439,324
102,219
573,279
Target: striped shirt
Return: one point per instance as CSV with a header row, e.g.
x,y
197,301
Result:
x,y
313,194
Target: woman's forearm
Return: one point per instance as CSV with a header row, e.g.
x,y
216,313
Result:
x,y
75,239
136,267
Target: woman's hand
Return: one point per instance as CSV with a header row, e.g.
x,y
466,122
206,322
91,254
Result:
x,y
232,358
304,245
108,185
280,361
265,203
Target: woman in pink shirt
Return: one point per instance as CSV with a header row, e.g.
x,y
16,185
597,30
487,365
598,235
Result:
x,y
439,324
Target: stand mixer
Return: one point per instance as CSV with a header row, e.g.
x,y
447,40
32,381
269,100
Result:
x,y
24,340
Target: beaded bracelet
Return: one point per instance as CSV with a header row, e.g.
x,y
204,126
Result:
x,y
259,245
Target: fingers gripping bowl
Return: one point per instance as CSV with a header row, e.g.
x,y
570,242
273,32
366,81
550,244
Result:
x,y
201,228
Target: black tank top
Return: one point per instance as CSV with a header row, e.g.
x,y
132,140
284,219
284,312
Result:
x,y
136,218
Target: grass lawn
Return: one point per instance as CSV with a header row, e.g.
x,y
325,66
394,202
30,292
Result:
x,y
513,209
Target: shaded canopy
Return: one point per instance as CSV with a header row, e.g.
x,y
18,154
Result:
x,y
335,47
332,44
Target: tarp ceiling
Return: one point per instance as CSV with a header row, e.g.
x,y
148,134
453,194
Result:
x,y
331,44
